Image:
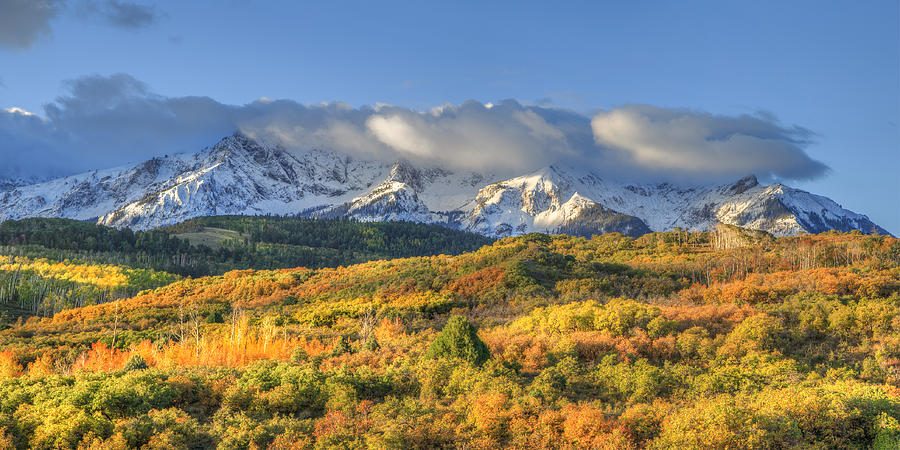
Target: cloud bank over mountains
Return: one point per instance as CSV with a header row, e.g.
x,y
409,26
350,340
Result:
x,y
105,121
678,140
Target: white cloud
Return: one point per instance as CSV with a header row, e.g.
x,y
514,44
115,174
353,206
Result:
x,y
107,121
503,137
17,110
686,143
398,133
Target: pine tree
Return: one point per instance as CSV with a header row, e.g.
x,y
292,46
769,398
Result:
x,y
371,343
136,362
341,346
459,339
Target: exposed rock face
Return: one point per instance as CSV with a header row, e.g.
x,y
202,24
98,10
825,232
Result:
x,y
241,176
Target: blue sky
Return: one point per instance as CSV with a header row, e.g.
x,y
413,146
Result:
x,y
832,68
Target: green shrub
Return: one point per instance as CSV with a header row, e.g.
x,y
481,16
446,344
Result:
x,y
620,316
341,346
371,343
460,340
299,356
135,362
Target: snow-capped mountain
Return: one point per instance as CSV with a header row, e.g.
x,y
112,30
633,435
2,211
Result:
x,y
241,176
7,183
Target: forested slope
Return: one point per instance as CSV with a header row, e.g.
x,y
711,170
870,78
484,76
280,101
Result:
x,y
383,239
264,243
47,265
672,340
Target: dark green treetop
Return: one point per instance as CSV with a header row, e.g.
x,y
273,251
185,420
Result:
x,y
459,339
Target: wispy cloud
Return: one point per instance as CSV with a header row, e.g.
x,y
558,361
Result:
x,y
122,14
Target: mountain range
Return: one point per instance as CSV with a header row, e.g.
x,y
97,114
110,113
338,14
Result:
x,y
239,175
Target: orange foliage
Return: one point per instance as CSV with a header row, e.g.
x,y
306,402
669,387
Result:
x,y
43,366
221,350
9,367
101,357
592,345
575,426
770,287
535,357
588,427
716,318
335,423
528,350
237,290
477,282
216,350
489,413
389,330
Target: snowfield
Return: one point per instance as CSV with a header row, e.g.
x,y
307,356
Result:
x,y
241,176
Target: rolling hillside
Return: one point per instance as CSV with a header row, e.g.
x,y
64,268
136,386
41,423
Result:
x,y
672,340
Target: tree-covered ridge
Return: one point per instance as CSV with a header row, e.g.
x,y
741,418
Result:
x,y
271,243
385,239
672,340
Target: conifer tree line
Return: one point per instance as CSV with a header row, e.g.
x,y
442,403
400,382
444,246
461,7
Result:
x,y
267,243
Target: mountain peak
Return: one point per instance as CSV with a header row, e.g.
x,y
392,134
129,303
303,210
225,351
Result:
x,y
240,145
240,138
240,175
404,172
742,185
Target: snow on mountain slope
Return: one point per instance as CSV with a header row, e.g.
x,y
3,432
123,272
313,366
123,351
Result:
x,y
547,200
241,176
8,183
783,211
389,201
236,176
413,194
89,195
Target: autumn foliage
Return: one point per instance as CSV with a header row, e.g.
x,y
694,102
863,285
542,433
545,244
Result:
x,y
666,341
